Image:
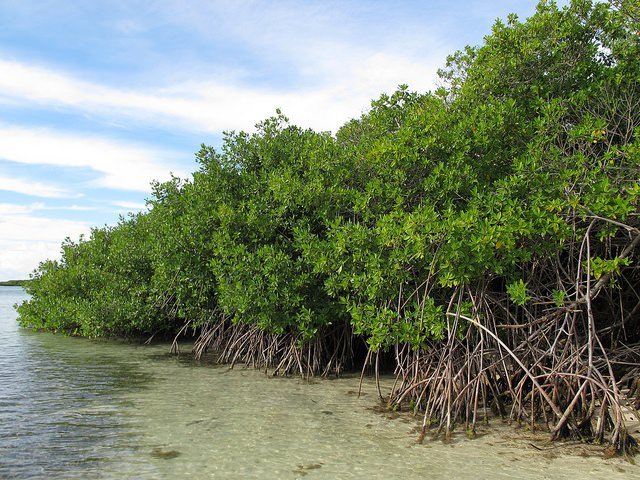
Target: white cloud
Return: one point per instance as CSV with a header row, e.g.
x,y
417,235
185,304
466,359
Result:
x,y
201,105
74,208
120,165
130,206
28,239
16,209
34,188
349,79
327,43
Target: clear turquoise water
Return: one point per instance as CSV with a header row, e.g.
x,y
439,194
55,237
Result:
x,y
73,408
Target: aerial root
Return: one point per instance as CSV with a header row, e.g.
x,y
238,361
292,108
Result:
x,y
328,353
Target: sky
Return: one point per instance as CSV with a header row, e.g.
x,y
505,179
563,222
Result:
x,y
100,98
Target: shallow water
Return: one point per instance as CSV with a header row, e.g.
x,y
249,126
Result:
x,y
73,408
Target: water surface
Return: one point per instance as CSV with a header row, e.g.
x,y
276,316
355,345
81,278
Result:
x,y
74,408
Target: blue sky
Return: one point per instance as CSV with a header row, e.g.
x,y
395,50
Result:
x,y
99,98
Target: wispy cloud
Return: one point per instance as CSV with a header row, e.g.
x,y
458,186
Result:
x,y
130,206
119,165
7,209
320,62
33,188
74,208
11,209
203,105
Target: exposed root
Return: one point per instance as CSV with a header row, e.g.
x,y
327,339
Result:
x,y
329,353
570,369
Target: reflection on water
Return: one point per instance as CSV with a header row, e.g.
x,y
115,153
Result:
x,y
72,408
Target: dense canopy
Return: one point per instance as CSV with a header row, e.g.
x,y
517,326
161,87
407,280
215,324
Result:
x,y
482,238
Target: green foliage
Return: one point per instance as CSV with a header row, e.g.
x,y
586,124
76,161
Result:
x,y
559,297
600,266
531,143
518,292
99,287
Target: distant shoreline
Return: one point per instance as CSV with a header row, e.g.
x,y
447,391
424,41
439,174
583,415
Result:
x,y
13,283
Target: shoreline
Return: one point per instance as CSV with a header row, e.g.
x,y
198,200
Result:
x,y
13,283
